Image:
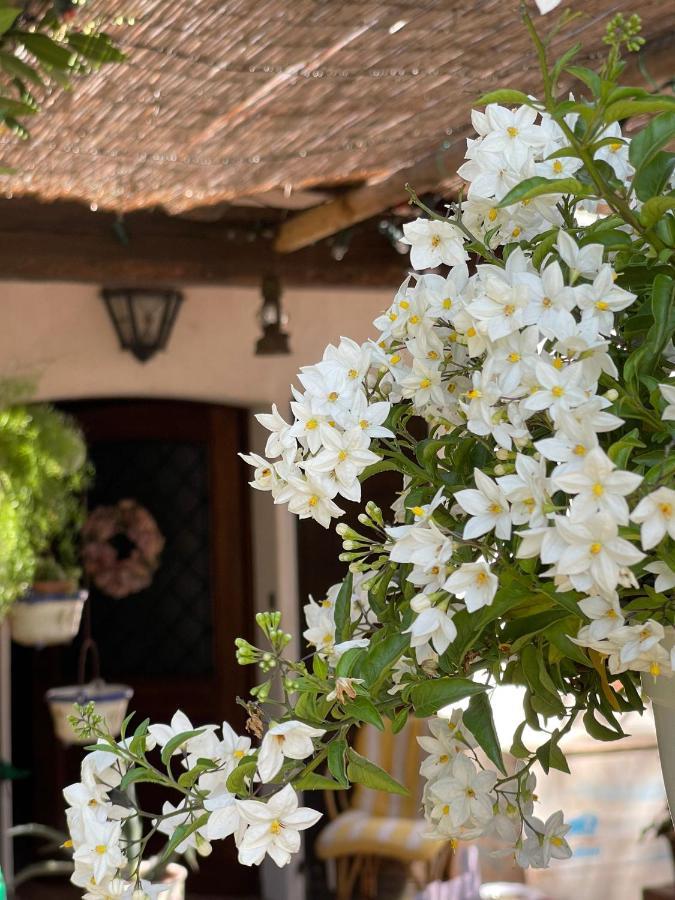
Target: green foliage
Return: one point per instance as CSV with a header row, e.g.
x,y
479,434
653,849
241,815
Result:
x,y
43,472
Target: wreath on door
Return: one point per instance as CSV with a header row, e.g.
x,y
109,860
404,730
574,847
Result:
x,y
122,545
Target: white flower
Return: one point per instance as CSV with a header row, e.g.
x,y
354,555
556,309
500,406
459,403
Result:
x,y
173,816
584,261
656,515
370,416
665,577
474,583
545,6
264,476
292,740
635,640
423,384
527,490
431,625
274,827
600,300
421,544
501,306
344,455
280,442
488,507
432,243
350,359
100,848
550,836
668,394
180,724
599,486
310,496
595,549
225,818
605,613
512,134
467,791
559,389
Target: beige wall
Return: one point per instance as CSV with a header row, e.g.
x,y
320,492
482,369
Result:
x,y
62,333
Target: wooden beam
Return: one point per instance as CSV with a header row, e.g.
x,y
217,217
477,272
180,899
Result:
x,y
67,242
653,69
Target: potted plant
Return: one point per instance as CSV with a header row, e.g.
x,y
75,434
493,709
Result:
x,y
533,538
44,472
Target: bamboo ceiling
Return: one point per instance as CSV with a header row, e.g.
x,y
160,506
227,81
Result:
x,y
225,100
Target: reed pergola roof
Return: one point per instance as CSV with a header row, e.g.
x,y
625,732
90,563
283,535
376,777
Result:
x,y
285,103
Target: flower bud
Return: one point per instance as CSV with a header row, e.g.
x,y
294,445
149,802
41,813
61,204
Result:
x,y
612,395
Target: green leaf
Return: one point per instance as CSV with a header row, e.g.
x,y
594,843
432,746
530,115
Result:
x,y
518,748
558,635
139,774
527,626
624,109
337,751
537,186
47,51
348,662
505,95
598,731
399,721
430,696
590,78
620,450
647,143
544,696
9,107
363,710
478,719
314,782
381,656
343,605
362,771
97,48
646,358
19,69
8,16
653,177
654,208
183,832
177,741
236,782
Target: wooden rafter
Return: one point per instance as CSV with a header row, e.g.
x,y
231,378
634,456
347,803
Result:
x,y
653,69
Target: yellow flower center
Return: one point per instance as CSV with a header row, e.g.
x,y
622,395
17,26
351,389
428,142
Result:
x,y
474,394
275,827
598,489
414,320
557,166
492,214
447,303
333,396
443,759
417,510
266,473
558,363
313,500
395,359
445,810
602,305
364,423
326,604
481,578
595,548
470,792
556,841
666,510
514,357
342,455
615,146
435,240
352,373
100,849
238,754
547,303
451,388
471,332
512,131
425,383
509,309
655,669
579,450
311,424
495,508
435,570
404,304
557,391
432,355
393,316
516,231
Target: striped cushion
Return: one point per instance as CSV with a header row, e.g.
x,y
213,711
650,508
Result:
x,y
381,824
355,833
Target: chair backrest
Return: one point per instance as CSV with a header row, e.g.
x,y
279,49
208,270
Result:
x,y
400,755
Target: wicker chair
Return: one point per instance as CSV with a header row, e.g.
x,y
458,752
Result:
x,y
374,826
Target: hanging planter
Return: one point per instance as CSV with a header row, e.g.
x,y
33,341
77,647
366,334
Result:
x,y
661,692
111,702
45,616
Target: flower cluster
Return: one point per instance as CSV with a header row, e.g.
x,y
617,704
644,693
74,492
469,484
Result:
x,y
101,807
522,390
463,799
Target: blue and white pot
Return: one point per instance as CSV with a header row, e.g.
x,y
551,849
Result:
x,y
111,702
43,619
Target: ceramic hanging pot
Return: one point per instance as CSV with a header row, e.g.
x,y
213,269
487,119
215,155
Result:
x,y
43,618
661,691
111,702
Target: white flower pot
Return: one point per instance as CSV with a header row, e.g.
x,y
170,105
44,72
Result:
x,y
174,878
111,702
41,620
661,691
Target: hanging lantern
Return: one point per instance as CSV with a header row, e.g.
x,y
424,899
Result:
x,y
274,341
143,318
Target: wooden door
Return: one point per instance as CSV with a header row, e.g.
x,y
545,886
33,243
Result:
x,y
173,642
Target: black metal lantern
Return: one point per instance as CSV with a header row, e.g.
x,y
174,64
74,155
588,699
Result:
x,y
142,318
274,340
